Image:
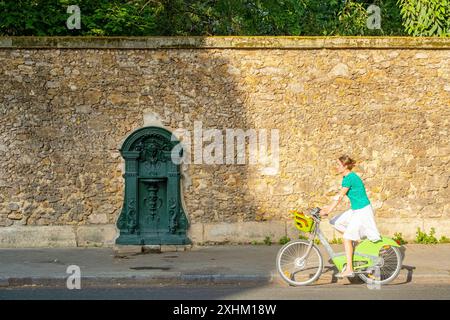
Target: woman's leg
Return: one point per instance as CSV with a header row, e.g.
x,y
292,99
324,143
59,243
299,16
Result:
x,y
348,244
351,235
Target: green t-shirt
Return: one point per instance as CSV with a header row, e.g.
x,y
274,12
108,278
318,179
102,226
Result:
x,y
356,192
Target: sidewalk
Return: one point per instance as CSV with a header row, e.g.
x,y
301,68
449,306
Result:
x,y
200,265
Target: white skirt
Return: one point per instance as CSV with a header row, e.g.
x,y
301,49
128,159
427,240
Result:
x,y
357,224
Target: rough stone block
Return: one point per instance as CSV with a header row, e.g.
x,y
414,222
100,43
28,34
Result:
x,y
406,226
151,248
168,248
37,236
195,233
244,231
123,250
441,226
187,247
328,230
97,235
325,226
98,218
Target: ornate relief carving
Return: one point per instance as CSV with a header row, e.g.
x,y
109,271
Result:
x,y
153,148
152,203
131,214
173,215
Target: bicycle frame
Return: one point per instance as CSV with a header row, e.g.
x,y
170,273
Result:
x,y
366,253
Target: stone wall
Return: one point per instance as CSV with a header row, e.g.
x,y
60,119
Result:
x,y
67,104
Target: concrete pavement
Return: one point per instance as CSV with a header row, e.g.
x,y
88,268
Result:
x,y
201,265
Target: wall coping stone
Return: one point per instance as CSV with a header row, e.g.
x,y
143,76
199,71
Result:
x,y
224,42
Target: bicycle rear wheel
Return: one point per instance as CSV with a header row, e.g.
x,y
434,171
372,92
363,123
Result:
x,y
389,270
295,267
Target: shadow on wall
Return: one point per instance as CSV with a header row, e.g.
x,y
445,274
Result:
x,y
196,92
65,112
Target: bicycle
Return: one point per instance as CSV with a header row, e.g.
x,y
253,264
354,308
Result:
x,y
300,262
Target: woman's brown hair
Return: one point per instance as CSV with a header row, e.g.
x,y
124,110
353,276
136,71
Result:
x,y
347,162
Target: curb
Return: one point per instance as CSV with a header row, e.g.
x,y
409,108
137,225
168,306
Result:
x,y
177,278
402,278
159,279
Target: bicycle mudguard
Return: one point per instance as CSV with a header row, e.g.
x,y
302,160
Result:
x,y
373,248
362,251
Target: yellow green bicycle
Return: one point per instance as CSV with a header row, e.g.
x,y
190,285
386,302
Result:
x,y
300,262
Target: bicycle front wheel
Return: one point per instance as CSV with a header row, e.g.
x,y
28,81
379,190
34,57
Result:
x,y
295,267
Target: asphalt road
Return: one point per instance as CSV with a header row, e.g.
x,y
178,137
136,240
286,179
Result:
x,y
227,292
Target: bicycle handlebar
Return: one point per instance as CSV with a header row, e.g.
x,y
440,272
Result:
x,y
315,213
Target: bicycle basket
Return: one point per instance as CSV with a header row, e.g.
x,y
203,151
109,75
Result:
x,y
302,222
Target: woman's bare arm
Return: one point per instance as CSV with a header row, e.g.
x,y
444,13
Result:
x,y
326,210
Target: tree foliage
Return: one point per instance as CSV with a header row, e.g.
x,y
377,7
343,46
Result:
x,y
426,17
215,17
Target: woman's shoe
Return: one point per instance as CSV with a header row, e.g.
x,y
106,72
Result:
x,y
342,275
